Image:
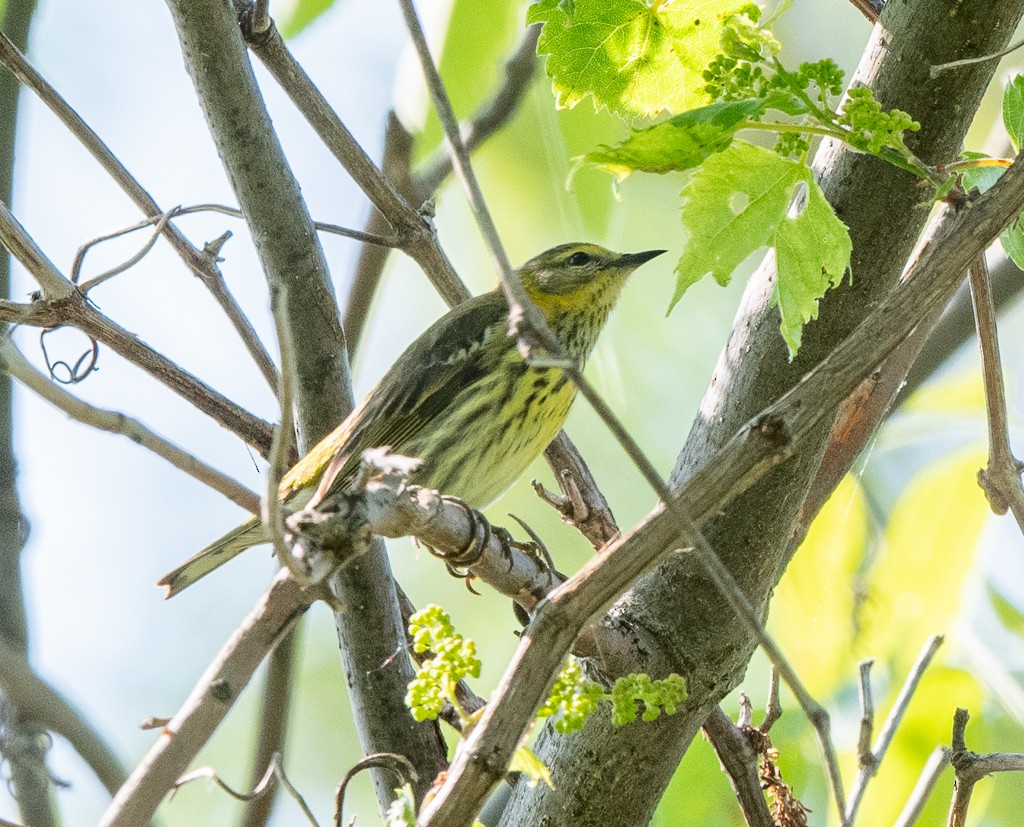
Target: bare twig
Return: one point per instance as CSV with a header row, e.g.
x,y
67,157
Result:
x,y
760,445
400,766
1001,479
739,761
415,232
926,782
214,695
265,785
417,189
74,309
203,265
865,758
519,69
869,760
970,768
15,364
17,241
772,707
937,70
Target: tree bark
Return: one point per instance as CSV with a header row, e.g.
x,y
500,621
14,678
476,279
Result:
x,y
700,638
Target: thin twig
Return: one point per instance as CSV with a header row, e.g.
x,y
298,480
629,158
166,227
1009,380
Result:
x,y
869,763
1001,479
19,243
926,782
12,361
204,266
415,231
275,711
772,706
265,786
74,309
865,758
739,761
214,695
491,117
938,69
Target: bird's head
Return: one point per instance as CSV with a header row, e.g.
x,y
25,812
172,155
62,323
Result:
x,y
574,276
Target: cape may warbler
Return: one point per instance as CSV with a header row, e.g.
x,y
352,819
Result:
x,y
461,398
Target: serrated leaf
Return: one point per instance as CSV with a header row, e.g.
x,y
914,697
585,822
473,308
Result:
x,y
302,15
736,203
679,143
634,58
1013,110
812,254
1012,238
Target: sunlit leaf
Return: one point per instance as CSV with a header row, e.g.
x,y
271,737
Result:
x,y
738,202
302,15
1013,110
679,143
634,57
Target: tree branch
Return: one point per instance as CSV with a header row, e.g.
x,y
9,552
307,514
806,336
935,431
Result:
x,y
761,446
215,693
970,768
293,264
204,266
1001,478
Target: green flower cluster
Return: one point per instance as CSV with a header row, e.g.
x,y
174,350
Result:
x,y
658,697
573,698
454,659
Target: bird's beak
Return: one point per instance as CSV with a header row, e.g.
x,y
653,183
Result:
x,y
634,260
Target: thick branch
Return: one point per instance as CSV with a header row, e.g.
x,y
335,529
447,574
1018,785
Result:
x,y
294,266
762,445
700,637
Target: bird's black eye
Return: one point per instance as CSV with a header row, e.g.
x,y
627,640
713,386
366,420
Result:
x,y
579,259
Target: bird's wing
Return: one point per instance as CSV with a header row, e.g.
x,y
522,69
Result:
x,y
448,356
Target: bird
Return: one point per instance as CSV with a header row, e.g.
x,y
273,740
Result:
x,y
461,398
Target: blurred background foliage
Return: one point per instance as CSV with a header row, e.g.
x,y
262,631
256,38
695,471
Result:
x,y
905,548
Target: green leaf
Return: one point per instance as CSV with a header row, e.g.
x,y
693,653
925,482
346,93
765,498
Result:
x,y
303,14
736,203
525,760
812,254
635,58
1013,110
1009,614
680,143
1012,238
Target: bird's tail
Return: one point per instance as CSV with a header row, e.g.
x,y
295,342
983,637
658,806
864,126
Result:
x,y
215,555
